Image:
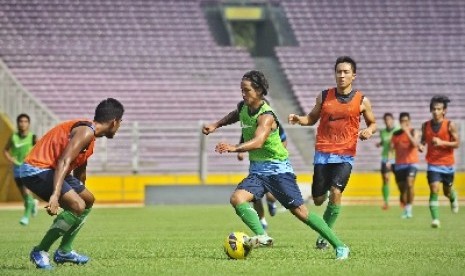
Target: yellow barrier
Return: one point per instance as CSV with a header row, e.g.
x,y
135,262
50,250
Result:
x,y
130,188
8,189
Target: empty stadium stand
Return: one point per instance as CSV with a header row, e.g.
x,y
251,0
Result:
x,y
407,51
159,58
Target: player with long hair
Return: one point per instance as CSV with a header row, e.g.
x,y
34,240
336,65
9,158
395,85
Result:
x,y
441,137
270,169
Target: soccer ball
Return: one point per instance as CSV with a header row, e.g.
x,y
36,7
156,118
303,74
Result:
x,y
234,246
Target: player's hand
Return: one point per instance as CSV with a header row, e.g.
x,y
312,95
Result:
x,y
223,147
436,141
421,148
293,119
207,129
52,206
365,134
405,128
378,144
240,156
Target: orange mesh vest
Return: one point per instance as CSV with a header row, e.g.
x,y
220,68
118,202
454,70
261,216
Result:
x,y
405,152
440,156
337,132
50,147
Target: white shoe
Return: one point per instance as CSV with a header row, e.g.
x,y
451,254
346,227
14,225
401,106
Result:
x,y
259,240
35,209
454,206
264,223
435,223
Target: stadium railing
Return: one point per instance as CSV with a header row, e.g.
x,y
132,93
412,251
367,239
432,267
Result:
x,y
15,99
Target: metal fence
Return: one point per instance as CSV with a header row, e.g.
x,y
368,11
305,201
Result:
x,y
173,149
15,99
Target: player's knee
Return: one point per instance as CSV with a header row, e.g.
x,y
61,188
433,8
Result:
x,y
235,200
89,200
77,206
318,201
300,212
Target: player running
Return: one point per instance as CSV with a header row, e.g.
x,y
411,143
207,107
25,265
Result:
x,y
387,155
270,169
405,143
15,151
338,109
47,173
270,200
441,137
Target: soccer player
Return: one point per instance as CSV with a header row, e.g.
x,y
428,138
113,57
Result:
x,y
15,151
47,173
338,109
386,155
441,137
270,200
270,169
405,143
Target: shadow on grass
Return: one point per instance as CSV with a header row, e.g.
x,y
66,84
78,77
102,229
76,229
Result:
x,y
14,267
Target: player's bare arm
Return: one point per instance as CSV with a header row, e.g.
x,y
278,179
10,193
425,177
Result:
x,y
369,118
454,143
413,136
80,173
311,118
6,152
421,145
81,137
231,118
265,124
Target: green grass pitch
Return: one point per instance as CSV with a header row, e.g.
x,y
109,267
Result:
x,y
187,240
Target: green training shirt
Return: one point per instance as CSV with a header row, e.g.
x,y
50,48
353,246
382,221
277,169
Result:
x,y
273,148
21,146
386,136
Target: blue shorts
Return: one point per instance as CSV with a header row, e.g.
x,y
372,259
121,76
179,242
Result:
x,y
330,175
282,186
41,184
446,178
403,173
384,168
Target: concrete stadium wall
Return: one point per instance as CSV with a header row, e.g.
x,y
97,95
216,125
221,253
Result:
x,y
8,189
131,188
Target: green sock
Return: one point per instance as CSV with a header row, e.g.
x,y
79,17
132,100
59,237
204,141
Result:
x,y
386,192
331,214
453,195
66,244
62,224
250,217
28,205
319,225
434,205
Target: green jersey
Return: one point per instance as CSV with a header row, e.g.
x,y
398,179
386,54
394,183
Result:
x,y
386,136
273,149
21,146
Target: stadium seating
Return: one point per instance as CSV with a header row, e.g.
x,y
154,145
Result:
x,y
407,51
160,59
157,57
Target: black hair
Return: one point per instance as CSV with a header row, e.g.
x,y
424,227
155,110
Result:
x,y
107,110
258,80
388,114
22,115
346,59
404,114
439,99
